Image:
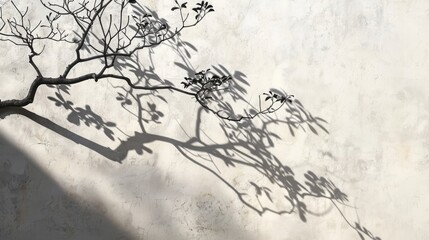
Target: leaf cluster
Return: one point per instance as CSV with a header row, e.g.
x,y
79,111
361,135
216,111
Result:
x,y
206,79
321,186
275,97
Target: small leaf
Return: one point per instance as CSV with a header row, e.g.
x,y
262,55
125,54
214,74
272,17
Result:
x,y
57,103
109,133
312,129
59,97
267,193
188,55
291,130
74,118
358,226
162,98
110,124
155,117
302,216
152,106
174,8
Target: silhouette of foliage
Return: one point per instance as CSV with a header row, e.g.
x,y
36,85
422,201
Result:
x,y
106,35
77,114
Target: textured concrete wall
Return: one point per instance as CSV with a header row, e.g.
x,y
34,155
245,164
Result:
x,y
360,67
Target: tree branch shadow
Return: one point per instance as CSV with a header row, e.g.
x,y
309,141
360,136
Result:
x,y
247,146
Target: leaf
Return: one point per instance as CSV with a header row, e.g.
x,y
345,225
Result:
x,y
162,98
74,118
267,193
367,232
302,216
188,55
313,175
109,133
191,46
110,124
185,85
257,188
183,5
57,103
270,142
152,106
174,8
312,129
59,97
358,226
301,209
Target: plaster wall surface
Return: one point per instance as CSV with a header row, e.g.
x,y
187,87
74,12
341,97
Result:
x,y
360,67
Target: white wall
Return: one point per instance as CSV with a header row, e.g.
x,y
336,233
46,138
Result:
x,y
361,65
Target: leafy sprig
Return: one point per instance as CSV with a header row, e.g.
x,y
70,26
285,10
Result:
x,y
275,97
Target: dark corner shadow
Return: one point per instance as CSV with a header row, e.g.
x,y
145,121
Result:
x,y
34,206
248,146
